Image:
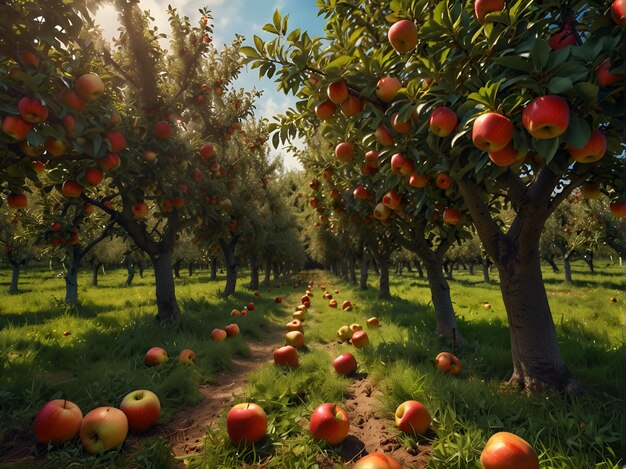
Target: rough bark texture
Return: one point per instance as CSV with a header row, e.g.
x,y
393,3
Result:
x,y
383,285
567,268
167,306
190,268
440,295
230,261
15,275
71,278
550,260
130,268
177,269
352,269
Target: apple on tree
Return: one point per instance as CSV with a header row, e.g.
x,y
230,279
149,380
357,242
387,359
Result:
x,y
246,423
338,92
16,201
403,36
546,117
142,409
387,88
492,131
57,421
102,429
89,87
329,423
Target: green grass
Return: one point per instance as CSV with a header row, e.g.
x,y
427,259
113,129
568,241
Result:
x,y
102,360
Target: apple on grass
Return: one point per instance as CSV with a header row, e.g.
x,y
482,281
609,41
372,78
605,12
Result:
x,y
377,461
354,327
155,356
286,356
142,409
187,357
246,423
232,330
329,423
373,322
102,429
344,333
295,325
412,417
278,299
505,450
57,421
346,305
218,335
449,363
295,339
360,339
345,364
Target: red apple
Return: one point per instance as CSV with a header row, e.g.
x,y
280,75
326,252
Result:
x,y
373,322
592,151
218,335
401,165
55,147
39,167
383,136
605,76
93,176
392,199
329,423
452,216
387,88
206,151
333,303
89,87
443,121
325,110
71,189
562,38
546,117
116,140
57,421
30,58
16,127
295,339
246,423
71,99
443,181
352,106
492,131
449,363
187,357
139,210
345,364
506,450
403,36
251,306
618,9
295,325
286,356
16,201
618,208
508,156
278,299
110,162
360,339
338,92
361,192
32,110
371,159
232,330
381,211
412,417
346,305
401,126
155,356
418,180
484,7
344,151
142,409
163,130
377,461
102,429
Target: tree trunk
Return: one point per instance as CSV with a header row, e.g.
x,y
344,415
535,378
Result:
x,y
418,267
267,271
177,269
167,306
567,268
588,257
230,260
190,269
94,273
352,269
375,265
486,264
550,260
15,275
363,272
470,266
254,272
130,268
71,278
276,269
384,291
213,275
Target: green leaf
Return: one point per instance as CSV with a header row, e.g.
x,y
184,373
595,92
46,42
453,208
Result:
x,y
546,148
258,43
588,91
340,62
558,85
249,52
578,132
276,19
540,54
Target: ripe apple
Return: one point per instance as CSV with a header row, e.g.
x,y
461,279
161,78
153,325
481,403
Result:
x,y
383,136
338,92
412,417
16,127
232,330
30,58
392,199
187,357
93,176
102,429
618,12
371,159
295,325
32,110
142,409
71,189
361,192
116,140
352,106
505,449
345,364
346,305
562,38
300,315
590,191
613,299
373,322
286,356
492,131
381,211
16,201
360,339
251,306
354,327
418,180
246,423
163,130
57,421
329,423
218,335
344,333
344,151
325,110
278,299
55,146
443,121
39,167
139,210
401,165
401,126
484,7
605,76
110,162
618,208
546,117
377,461
71,99
206,150
387,88
403,36
452,216
449,363
443,181
295,339
592,151
333,303
155,356
89,87
508,156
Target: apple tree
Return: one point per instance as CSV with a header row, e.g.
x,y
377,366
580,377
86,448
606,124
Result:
x,y
500,102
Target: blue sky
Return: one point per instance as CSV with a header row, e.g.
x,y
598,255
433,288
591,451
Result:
x,y
245,17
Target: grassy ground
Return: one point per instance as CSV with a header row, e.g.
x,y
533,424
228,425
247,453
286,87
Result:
x,y
102,360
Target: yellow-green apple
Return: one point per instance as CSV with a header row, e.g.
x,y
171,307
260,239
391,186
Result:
x,y
246,423
55,146
387,88
452,216
618,11
338,92
443,181
235,312
401,165
218,335
71,189
403,36
381,211
300,315
360,339
346,305
187,357
116,140
562,38
89,87
139,210
418,180
71,99
605,76
399,125
278,299
546,117
373,322
371,159
155,356
449,363
443,121
590,191
344,333
16,201
286,356
93,176
57,421
492,131
232,330
383,135
344,151
618,208
505,450
32,110
592,151
345,364
16,127
295,339
352,106
392,199
332,303
377,461
508,156
325,110
162,130
329,423
142,409
484,7
102,429
412,417
295,325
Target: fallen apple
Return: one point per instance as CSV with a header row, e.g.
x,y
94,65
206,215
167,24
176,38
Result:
x,y
345,364
507,450
377,461
57,421
246,423
102,429
187,357
286,356
142,409
412,417
360,339
155,356
329,423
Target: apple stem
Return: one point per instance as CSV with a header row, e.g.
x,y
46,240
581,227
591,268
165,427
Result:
x,y
65,403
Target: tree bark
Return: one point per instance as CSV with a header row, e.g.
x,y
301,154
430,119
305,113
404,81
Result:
x,y
550,260
167,306
213,275
276,270
363,272
190,268
254,272
418,267
384,291
588,257
567,268
15,275
352,269
267,272
230,260
177,269
71,277
95,266
470,265
130,268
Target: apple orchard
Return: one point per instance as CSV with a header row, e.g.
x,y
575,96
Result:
x,y
435,132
